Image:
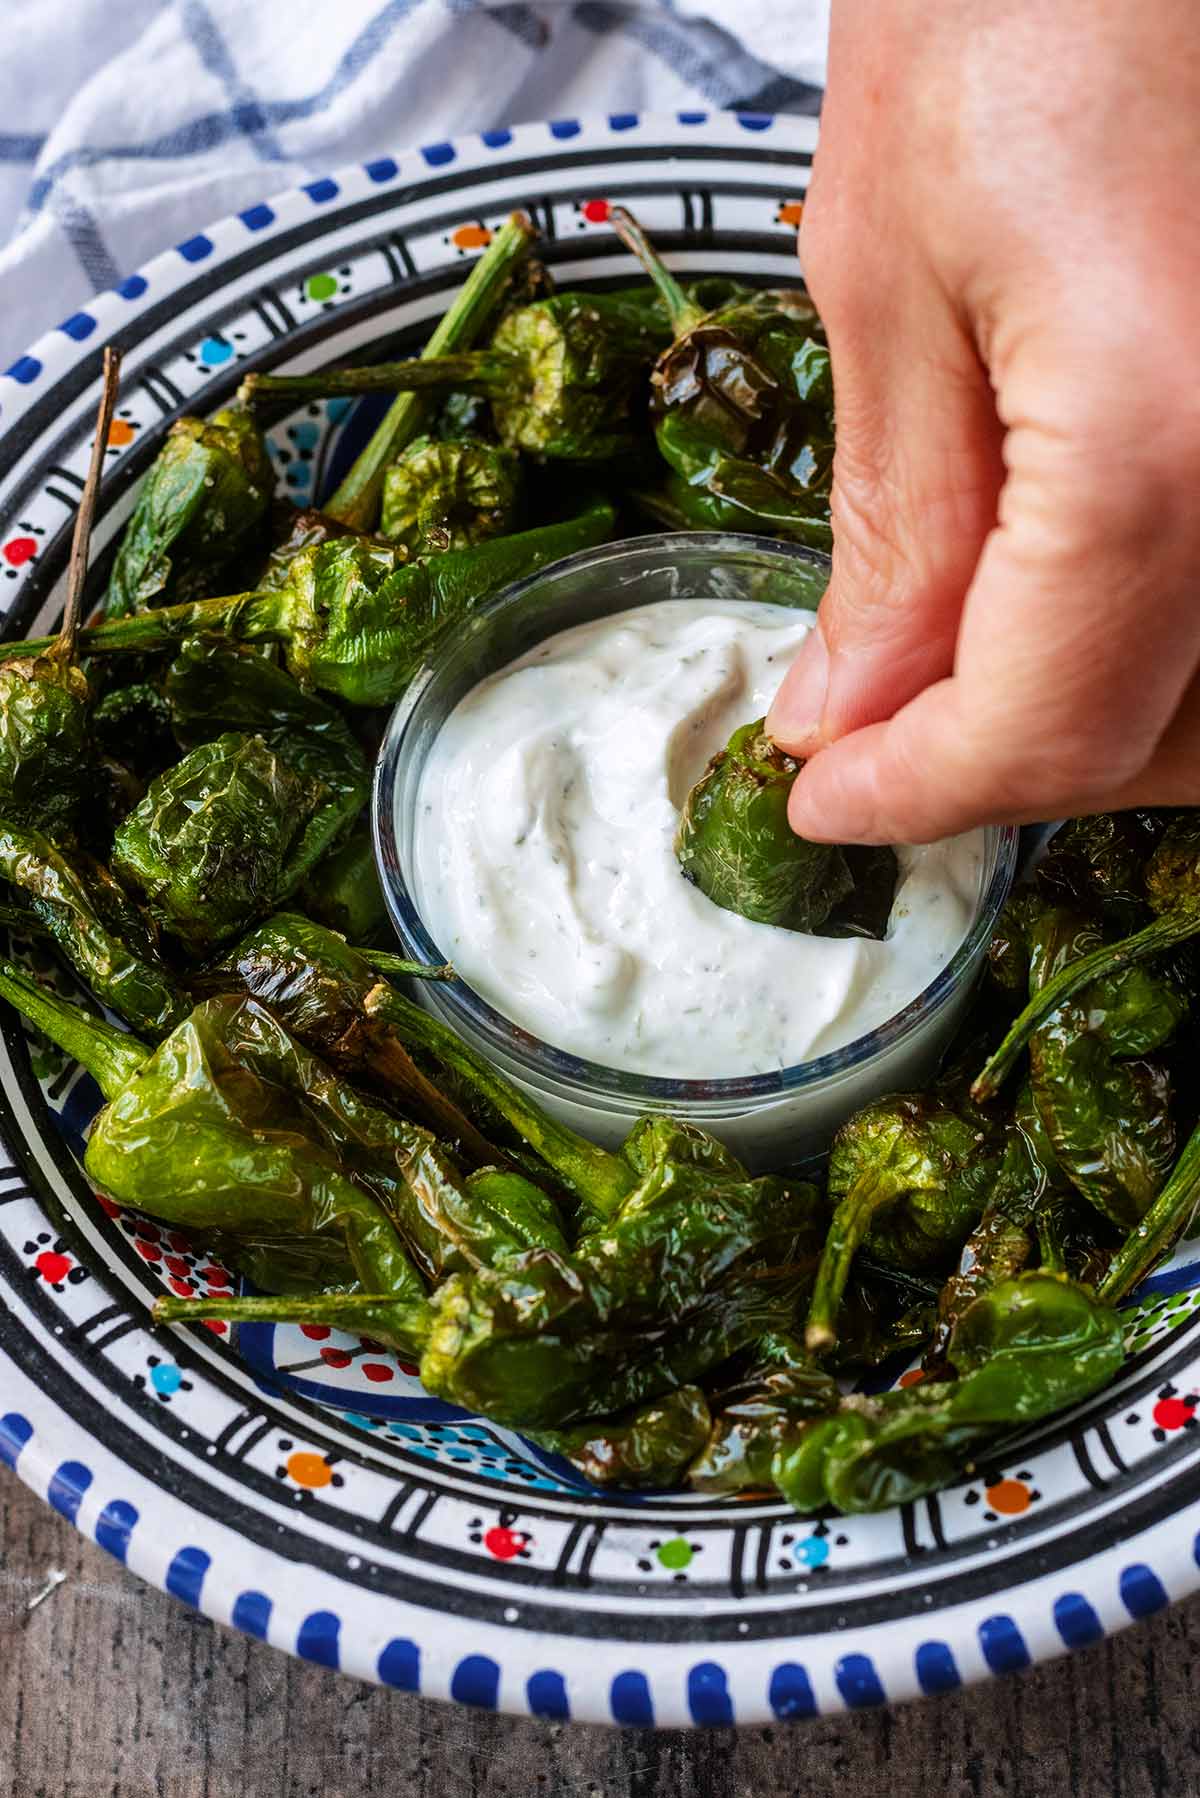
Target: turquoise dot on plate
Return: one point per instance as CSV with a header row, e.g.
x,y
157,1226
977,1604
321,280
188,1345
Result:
x,y
337,409
813,1551
305,434
166,1378
214,351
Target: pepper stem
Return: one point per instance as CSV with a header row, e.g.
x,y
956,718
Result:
x,y
1161,934
404,1327
683,313
601,1180
396,967
111,1056
475,371
356,502
1166,1220
64,647
254,615
853,1217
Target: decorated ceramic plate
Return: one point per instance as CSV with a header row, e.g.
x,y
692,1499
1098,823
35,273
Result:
x,y
296,1482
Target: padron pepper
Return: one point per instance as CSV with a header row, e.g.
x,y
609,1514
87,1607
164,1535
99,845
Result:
x,y
45,699
911,1175
1026,1348
734,842
1104,1109
452,494
225,836
1172,1214
355,620
754,1417
692,1267
743,408
332,998
650,1446
94,925
1171,884
565,375
205,1133
201,509
356,500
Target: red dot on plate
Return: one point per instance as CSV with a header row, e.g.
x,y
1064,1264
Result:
x,y
504,1543
216,1276
175,1264
595,211
336,1357
375,1370
150,1251
148,1232
315,1332
1173,1413
18,550
109,1206
53,1266
181,1244
182,1287
217,1325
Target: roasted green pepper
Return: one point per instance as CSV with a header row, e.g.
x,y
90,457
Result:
x,y
225,836
201,509
214,1131
648,1446
1027,1348
565,375
692,1267
355,619
1171,882
45,699
911,1175
453,494
95,927
735,843
743,409
331,998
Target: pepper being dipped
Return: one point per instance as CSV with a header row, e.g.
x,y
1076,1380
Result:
x,y
734,842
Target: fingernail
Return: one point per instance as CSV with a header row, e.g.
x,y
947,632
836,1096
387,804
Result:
x,y
794,719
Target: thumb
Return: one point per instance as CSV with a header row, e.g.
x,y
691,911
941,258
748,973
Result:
x,y
917,472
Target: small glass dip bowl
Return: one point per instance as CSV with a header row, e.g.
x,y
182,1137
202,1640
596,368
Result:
x,y
771,1120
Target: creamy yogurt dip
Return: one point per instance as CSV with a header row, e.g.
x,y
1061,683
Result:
x,y
544,866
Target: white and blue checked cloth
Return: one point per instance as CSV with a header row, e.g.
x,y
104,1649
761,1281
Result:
x,y
135,123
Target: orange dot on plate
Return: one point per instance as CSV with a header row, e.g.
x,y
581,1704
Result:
x,y
1009,1497
913,1377
791,212
308,1469
471,237
120,432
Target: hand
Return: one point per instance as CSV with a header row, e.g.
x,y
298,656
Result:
x,y
1003,238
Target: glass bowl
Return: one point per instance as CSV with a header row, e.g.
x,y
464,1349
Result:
x,y
774,1119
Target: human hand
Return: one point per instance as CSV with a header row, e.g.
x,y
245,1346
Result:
x,y
1003,239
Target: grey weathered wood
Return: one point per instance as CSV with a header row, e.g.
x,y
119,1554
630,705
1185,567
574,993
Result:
x,y
111,1690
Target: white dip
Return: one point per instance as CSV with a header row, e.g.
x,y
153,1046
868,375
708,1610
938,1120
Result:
x,y
545,870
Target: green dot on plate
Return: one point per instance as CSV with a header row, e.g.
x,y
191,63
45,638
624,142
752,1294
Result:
x,y
675,1553
321,287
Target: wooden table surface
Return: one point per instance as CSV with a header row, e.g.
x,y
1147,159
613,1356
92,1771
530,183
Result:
x,y
111,1690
